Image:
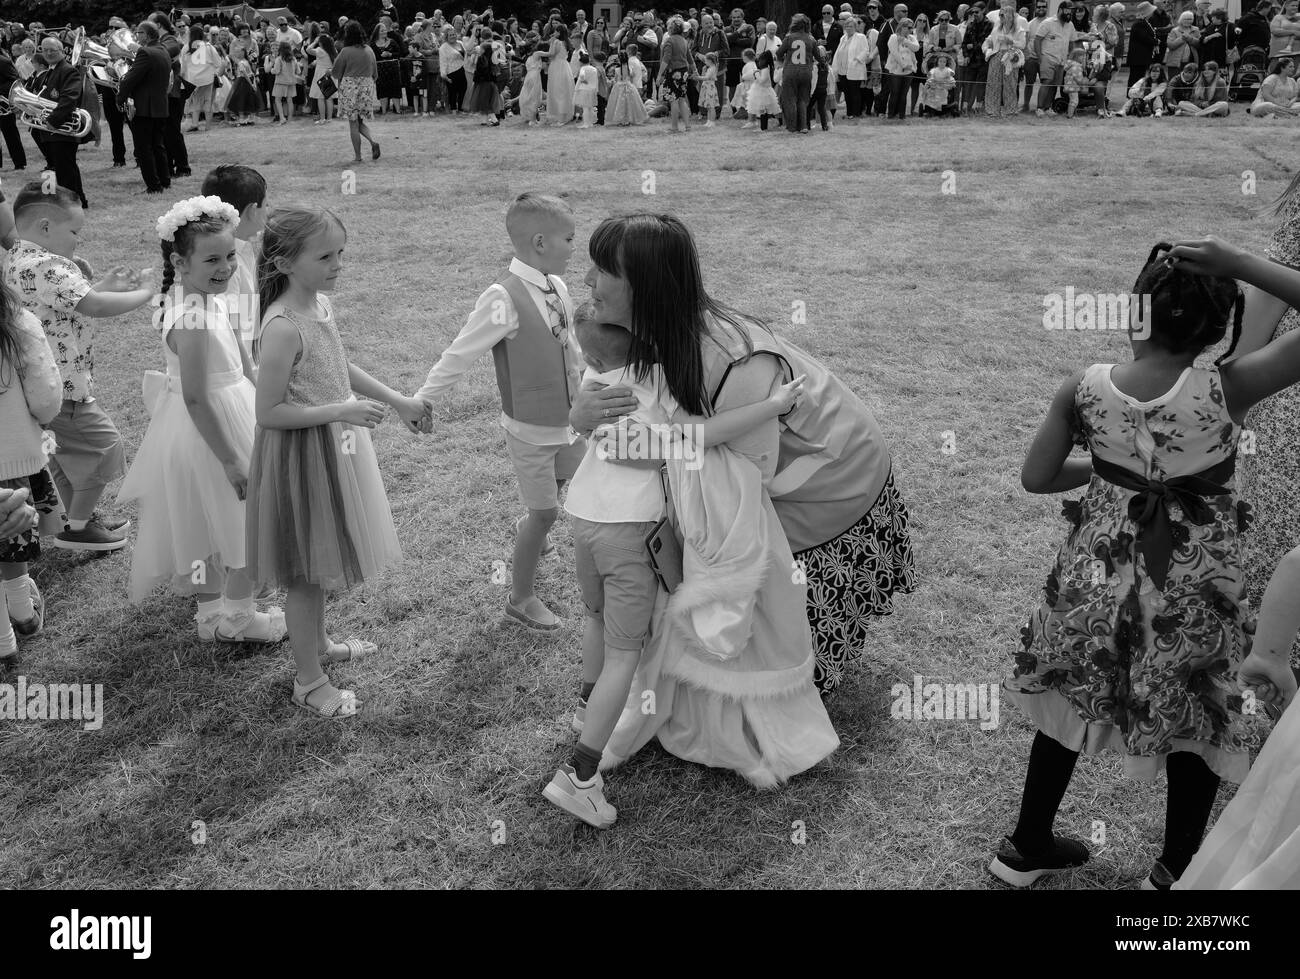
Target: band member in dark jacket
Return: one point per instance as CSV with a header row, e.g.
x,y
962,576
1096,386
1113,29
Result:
x,y
178,157
8,123
146,85
61,83
112,114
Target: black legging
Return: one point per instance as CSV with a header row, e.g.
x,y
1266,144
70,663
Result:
x,y
1192,787
456,89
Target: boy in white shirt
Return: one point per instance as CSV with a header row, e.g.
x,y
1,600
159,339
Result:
x,y
615,499
523,318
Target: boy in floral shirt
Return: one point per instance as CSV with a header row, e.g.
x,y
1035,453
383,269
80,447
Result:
x,y
43,274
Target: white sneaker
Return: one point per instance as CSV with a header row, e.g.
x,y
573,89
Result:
x,y
585,800
1040,113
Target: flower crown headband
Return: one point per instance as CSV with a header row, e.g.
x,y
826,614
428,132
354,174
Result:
x,y
195,209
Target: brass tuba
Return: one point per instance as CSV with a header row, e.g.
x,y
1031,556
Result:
x,y
33,111
93,54
78,42
121,44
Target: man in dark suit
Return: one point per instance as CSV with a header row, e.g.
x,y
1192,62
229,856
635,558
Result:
x,y
112,114
60,82
147,83
178,158
8,123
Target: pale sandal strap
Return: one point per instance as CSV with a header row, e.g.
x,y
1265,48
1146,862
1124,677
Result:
x,y
331,707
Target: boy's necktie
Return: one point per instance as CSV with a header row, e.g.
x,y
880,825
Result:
x,y
556,318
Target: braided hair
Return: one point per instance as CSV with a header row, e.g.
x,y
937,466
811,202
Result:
x,y
183,245
1188,312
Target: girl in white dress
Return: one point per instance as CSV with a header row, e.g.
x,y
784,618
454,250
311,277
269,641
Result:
x,y
625,106
585,90
559,84
740,98
761,102
530,95
191,473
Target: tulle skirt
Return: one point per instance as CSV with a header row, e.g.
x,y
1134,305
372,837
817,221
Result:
x,y
191,520
485,99
317,510
761,100
1255,845
625,107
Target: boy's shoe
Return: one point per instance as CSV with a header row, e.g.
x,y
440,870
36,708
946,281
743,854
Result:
x,y
33,627
1011,866
1160,879
579,717
515,614
585,800
93,537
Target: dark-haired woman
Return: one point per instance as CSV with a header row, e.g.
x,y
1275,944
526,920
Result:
x,y
354,72
1143,621
826,465
388,74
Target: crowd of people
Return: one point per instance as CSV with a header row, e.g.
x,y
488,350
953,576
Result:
x,y
993,59
697,454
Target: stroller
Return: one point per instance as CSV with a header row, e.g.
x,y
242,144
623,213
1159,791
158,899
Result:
x,y
1251,69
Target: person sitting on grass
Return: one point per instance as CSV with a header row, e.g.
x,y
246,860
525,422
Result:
x,y
1147,96
1277,95
1209,94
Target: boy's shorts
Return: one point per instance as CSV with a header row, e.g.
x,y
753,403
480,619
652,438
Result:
x,y
88,452
539,466
617,581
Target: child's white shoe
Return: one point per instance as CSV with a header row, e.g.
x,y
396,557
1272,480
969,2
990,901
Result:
x,y
584,800
244,624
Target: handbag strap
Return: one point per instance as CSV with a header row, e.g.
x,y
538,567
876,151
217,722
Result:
x,y
668,497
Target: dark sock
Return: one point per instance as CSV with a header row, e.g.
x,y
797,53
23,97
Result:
x,y
587,688
584,761
1192,788
1051,765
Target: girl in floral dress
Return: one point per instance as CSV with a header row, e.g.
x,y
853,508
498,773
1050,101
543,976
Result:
x,y
1144,620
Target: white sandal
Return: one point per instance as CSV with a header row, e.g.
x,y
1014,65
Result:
x,y
344,702
357,649
262,628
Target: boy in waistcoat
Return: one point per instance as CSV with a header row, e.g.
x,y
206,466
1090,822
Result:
x,y
524,319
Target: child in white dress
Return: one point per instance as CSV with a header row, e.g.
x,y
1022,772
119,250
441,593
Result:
x,y
530,95
585,91
190,475
761,103
740,98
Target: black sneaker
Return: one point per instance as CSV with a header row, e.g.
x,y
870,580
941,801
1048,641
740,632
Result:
x,y
94,537
1160,879
1020,871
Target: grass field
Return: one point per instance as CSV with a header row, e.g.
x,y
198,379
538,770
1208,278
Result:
x,y
928,304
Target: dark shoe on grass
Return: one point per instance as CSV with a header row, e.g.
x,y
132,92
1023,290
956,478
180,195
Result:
x,y
1019,870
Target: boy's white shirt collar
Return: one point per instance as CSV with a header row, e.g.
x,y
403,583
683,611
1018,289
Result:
x,y
530,274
